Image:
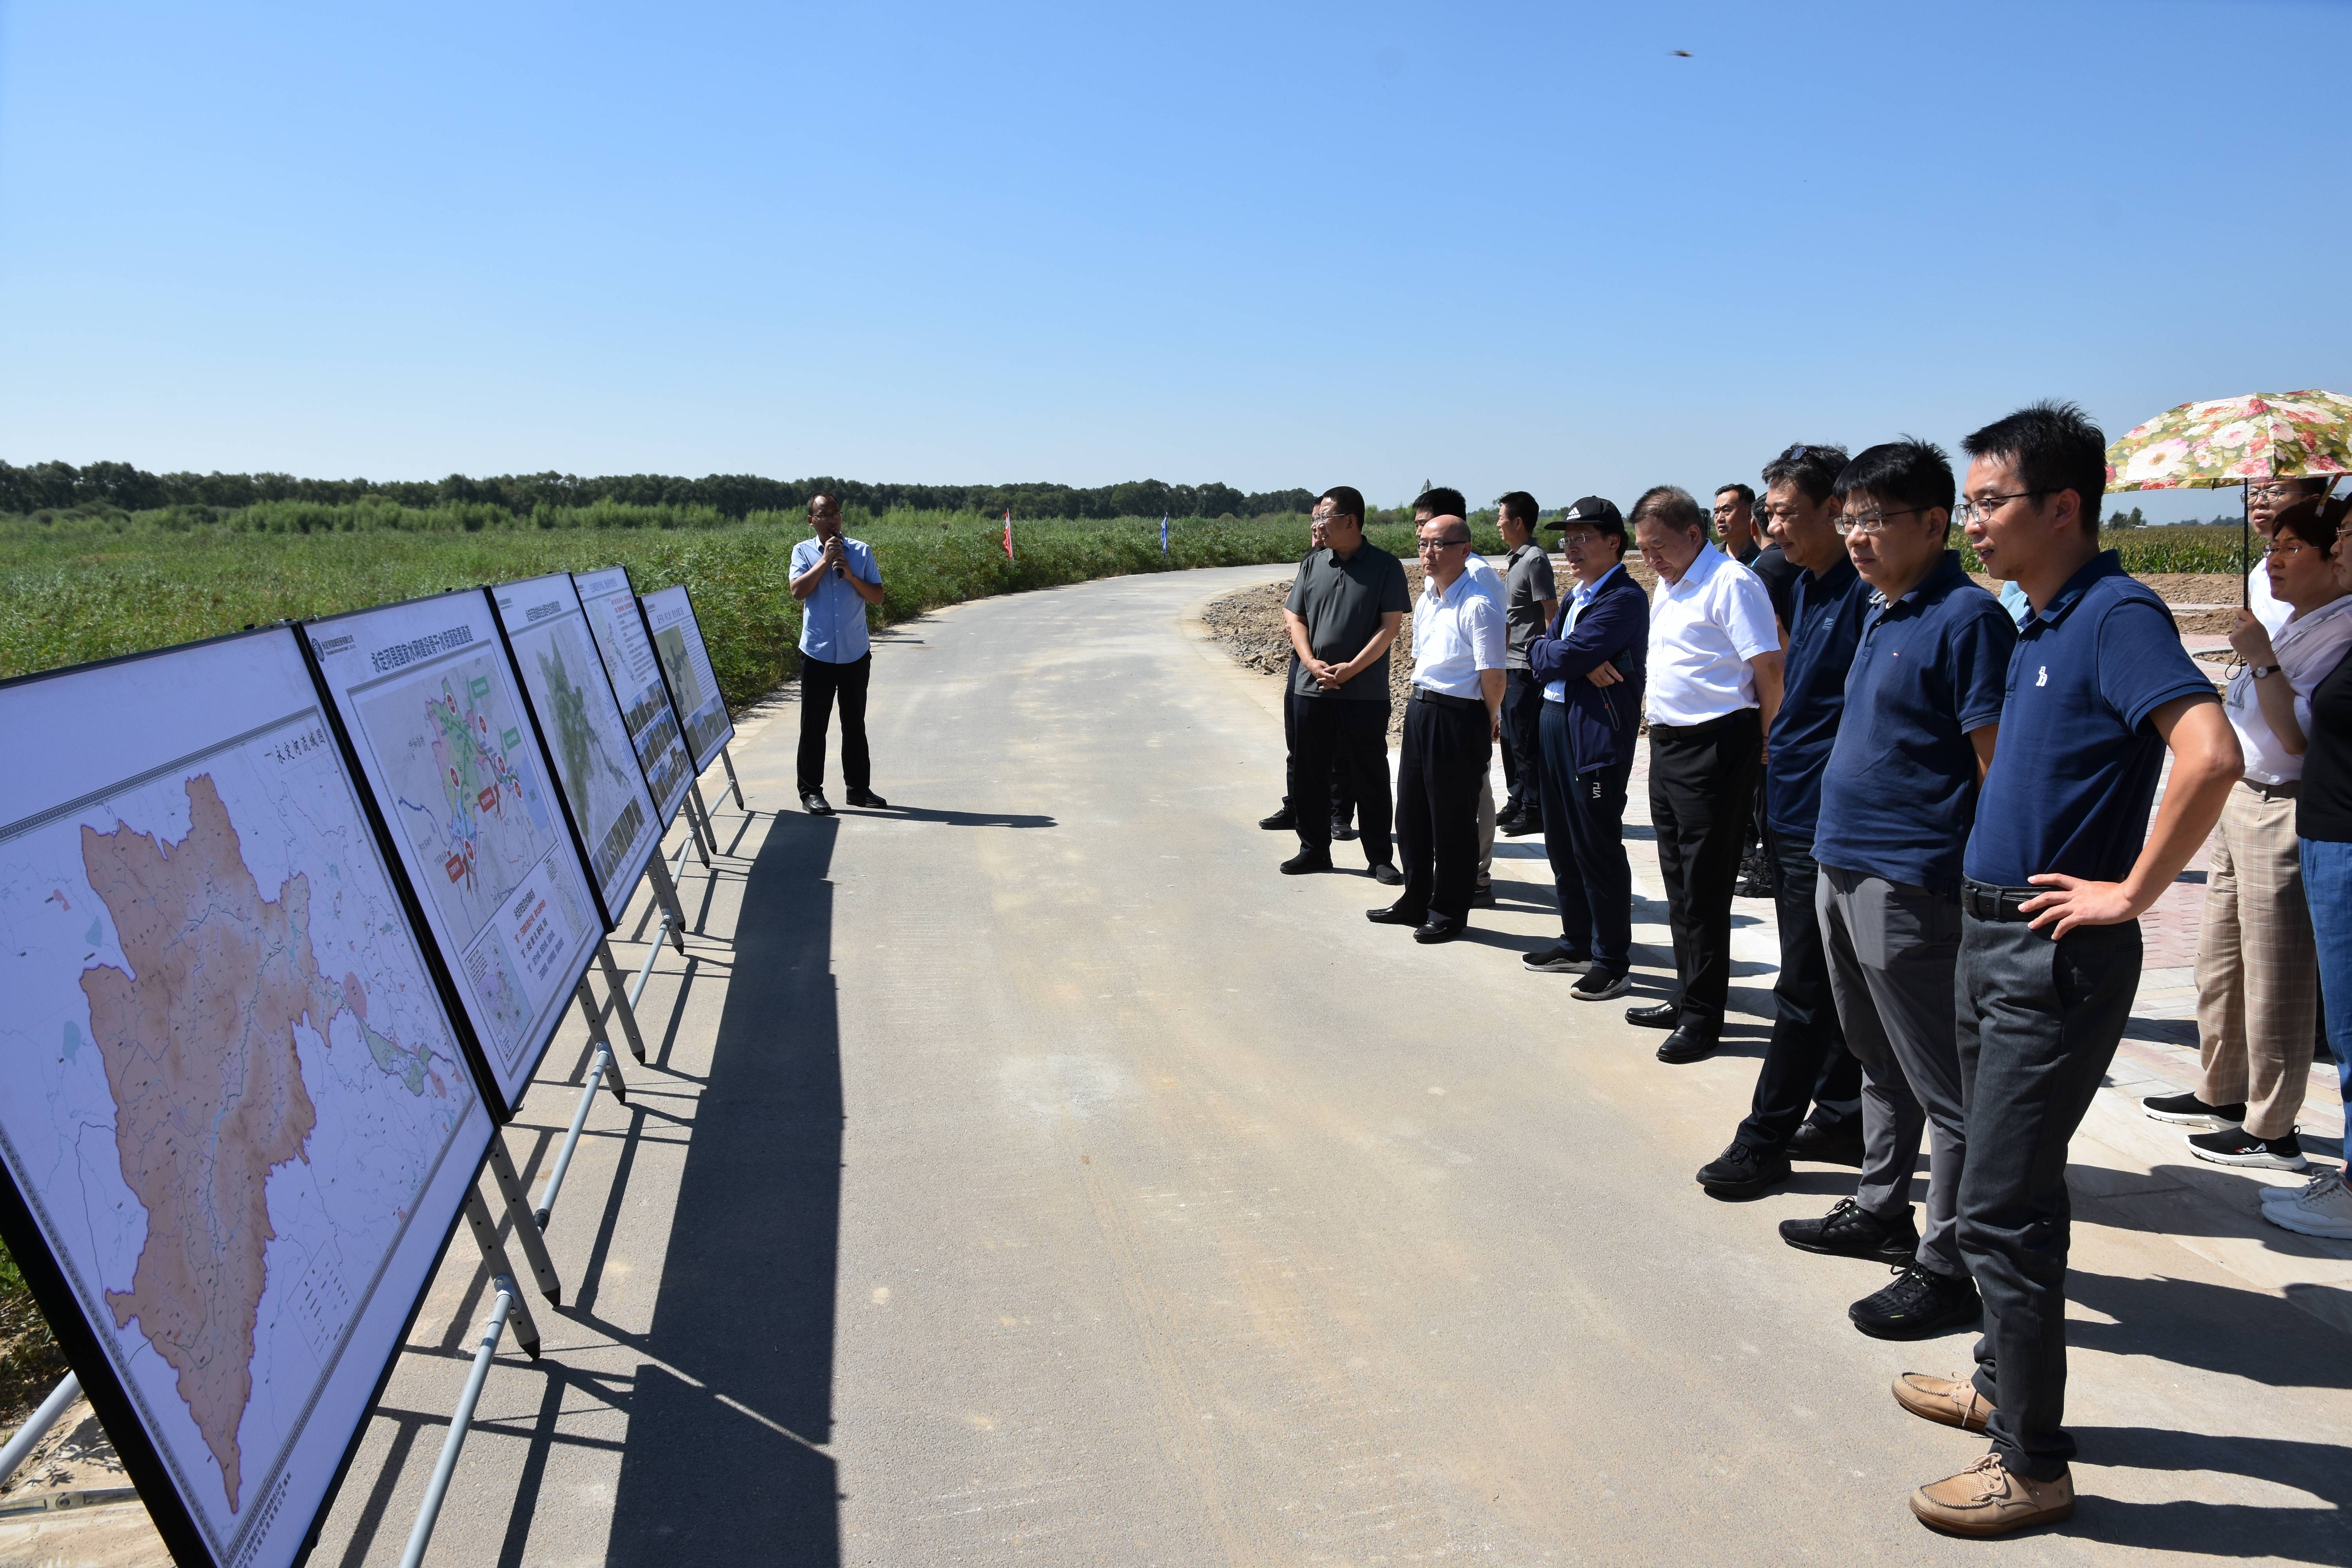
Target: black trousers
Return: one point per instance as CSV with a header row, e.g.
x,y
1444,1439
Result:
x,y
1523,707
821,682
1343,785
1806,1059
2039,1021
1446,751
1584,838
1702,785
1341,744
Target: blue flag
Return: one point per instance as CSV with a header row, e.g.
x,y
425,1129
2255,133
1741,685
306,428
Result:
x,y
1163,536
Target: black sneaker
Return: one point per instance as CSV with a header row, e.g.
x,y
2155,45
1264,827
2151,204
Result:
x,y
1481,897
1307,860
2236,1146
1519,827
1385,873
868,798
1741,1171
1555,961
1341,830
1919,1305
1838,1143
1280,821
1846,1232
2187,1111
1599,984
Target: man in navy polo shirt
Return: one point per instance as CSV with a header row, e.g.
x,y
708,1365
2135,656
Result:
x,y
1923,709
1825,611
2059,866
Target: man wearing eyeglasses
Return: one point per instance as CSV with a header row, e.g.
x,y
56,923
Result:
x,y
1450,724
2060,861
2265,499
1714,667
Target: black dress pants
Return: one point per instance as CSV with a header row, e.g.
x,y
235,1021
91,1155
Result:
x,y
1584,838
1702,786
2039,1021
821,681
1343,787
1806,1058
1523,706
1446,751
1341,744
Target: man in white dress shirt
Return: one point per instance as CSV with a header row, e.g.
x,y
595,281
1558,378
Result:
x,y
1450,724
1713,669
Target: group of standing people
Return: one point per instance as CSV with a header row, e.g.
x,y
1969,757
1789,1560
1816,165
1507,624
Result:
x,y
1955,803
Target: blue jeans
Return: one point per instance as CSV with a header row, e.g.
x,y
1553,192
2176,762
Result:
x,y
2327,889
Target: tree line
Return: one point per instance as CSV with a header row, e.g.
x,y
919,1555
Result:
x,y
119,487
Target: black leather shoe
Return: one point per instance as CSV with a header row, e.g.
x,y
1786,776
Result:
x,y
1396,914
813,802
1439,927
1307,860
1847,1232
1919,1305
1280,820
1386,874
1656,1016
1838,1143
1341,830
868,797
1481,897
1519,827
1688,1043
1743,1172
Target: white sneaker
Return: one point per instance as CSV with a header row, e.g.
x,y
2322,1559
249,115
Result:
x,y
2320,1177
2324,1209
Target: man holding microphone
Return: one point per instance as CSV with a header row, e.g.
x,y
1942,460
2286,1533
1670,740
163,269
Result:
x,y
834,578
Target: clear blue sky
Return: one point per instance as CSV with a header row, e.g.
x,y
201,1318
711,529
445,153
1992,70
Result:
x,y
1492,245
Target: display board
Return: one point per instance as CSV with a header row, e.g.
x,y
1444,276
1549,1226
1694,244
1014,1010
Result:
x,y
611,605
236,1120
595,767
686,666
438,725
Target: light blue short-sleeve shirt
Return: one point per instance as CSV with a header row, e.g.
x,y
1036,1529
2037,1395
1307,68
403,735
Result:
x,y
833,619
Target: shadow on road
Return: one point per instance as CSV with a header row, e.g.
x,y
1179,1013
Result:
x,y
724,1461
948,818
2307,1531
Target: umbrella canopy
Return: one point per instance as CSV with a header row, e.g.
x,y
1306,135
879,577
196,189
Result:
x,y
2229,440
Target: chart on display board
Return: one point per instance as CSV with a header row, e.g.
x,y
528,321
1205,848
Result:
x,y
444,740
236,1120
595,766
620,629
686,664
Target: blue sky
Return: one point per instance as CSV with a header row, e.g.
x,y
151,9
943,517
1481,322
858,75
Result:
x,y
1493,245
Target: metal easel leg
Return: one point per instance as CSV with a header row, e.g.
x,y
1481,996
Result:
x,y
698,819
733,783
505,1306
673,913
604,1069
526,1229
37,1426
494,1253
617,1001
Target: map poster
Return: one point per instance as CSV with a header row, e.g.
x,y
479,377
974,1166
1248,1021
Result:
x,y
446,744
236,1119
595,767
685,665
628,654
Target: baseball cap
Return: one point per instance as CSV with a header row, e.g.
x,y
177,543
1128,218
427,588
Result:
x,y
1595,511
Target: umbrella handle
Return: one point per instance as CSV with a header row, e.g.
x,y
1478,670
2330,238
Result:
x,y
2246,546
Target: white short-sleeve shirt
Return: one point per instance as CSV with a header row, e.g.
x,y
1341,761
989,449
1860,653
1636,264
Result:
x,y
2268,607
2308,647
1702,631
1460,633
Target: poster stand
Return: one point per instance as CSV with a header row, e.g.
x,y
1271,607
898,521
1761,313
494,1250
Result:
x,y
604,1069
701,812
37,1426
734,783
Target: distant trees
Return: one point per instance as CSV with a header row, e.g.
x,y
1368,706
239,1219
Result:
x,y
61,487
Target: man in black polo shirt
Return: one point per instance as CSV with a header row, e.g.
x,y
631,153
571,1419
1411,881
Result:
x,y
2059,864
1529,600
1344,611
1343,800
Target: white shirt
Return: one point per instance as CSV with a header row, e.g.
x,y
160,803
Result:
x,y
1557,691
1460,633
2308,648
1702,631
2268,607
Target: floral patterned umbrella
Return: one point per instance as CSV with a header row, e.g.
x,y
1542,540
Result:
x,y
2204,446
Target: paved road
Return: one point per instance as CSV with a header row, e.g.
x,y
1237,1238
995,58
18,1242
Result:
x,y
1029,1173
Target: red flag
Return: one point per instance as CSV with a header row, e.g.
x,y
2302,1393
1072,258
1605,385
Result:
x,y
1008,534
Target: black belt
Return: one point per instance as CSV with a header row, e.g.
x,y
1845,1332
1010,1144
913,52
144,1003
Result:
x,y
1708,727
1986,902
1439,698
2286,791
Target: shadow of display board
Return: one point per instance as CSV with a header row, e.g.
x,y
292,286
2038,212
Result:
x,y
686,666
620,628
429,697
235,1114
595,766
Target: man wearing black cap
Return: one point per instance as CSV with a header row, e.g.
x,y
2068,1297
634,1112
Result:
x,y
1591,664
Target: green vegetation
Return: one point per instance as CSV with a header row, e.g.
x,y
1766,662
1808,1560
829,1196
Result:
x,y
91,587
2148,551
30,1360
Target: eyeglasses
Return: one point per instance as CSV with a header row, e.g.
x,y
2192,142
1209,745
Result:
x,y
1428,545
1978,508
2275,490
1872,521
2292,547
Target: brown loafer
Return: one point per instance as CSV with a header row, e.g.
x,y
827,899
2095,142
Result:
x,y
1947,1401
1988,1499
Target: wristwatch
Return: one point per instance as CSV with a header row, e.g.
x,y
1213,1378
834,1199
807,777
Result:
x,y
2261,670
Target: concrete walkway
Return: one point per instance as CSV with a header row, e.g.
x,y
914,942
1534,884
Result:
x,y
1029,1173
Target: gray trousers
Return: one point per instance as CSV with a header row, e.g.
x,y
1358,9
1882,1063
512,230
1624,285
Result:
x,y
2039,1024
1893,953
